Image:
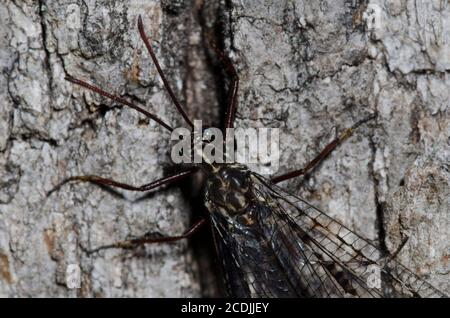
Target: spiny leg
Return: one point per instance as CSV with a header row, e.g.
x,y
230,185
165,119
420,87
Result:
x,y
227,64
108,182
118,99
161,73
148,239
323,154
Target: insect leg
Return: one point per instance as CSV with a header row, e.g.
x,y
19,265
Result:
x,y
161,73
152,239
402,244
118,99
108,182
234,84
323,154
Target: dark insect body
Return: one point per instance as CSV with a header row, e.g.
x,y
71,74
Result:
x,y
272,243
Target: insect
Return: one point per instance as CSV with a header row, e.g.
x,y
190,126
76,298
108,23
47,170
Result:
x,y
272,243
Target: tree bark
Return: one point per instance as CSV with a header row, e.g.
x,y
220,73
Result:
x,y
310,68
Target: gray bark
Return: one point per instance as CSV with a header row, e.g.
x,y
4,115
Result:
x,y
310,68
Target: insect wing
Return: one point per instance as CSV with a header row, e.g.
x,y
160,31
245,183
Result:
x,y
331,258
233,273
248,262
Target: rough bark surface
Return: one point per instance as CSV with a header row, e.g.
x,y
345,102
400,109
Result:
x,y
310,68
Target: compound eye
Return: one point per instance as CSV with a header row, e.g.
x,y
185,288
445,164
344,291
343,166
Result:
x,y
236,178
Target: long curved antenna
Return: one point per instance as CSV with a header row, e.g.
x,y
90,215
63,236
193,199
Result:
x,y
161,74
119,100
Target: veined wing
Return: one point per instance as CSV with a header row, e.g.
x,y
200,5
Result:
x,y
331,258
248,262
269,256
234,276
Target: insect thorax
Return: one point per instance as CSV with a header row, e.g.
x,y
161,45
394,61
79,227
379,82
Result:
x,y
229,190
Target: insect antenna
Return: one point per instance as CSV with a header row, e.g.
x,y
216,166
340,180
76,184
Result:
x,y
119,100
161,73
